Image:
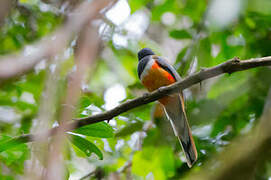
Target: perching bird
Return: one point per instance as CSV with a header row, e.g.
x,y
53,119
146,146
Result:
x,y
154,72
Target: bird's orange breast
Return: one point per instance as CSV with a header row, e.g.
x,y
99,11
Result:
x,y
157,77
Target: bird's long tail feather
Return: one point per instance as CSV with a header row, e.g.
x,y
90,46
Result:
x,y
174,108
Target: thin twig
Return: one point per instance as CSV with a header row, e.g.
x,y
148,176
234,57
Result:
x,y
98,173
92,173
88,175
229,66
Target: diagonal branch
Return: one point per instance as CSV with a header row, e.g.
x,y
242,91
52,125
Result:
x,y
16,65
229,66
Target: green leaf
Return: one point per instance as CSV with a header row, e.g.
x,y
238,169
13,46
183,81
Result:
x,y
13,158
7,142
158,160
181,55
88,99
91,98
26,124
102,130
86,146
129,129
172,6
182,65
228,83
142,113
135,5
180,34
204,53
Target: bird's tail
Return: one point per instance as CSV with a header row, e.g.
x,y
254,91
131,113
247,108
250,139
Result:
x,y
174,108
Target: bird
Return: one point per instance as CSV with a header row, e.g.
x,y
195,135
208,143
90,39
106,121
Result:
x,y
155,72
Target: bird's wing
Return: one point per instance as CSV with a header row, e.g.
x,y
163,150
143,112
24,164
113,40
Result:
x,y
165,65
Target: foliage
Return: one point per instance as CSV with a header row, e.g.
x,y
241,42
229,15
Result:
x,y
218,110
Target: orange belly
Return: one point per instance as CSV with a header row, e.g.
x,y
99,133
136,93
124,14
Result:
x,y
157,77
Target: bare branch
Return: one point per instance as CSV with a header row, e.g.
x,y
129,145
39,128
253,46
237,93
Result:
x,y
34,168
229,66
85,54
97,174
92,173
5,8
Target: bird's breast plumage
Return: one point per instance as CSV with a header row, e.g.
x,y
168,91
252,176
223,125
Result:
x,y
154,76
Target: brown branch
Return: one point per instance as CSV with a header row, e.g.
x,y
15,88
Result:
x,y
48,103
229,66
98,173
5,8
92,173
85,54
16,65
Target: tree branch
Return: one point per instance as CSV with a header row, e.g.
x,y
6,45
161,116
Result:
x,y
15,65
5,8
85,54
230,66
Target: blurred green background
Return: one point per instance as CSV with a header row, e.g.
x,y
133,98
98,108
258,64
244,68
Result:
x,y
191,34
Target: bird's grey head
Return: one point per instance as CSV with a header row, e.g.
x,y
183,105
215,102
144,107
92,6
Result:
x,y
144,52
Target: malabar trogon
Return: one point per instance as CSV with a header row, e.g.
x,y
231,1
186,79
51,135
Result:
x,y
154,72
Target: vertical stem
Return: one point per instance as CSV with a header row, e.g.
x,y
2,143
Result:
x,y
85,53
